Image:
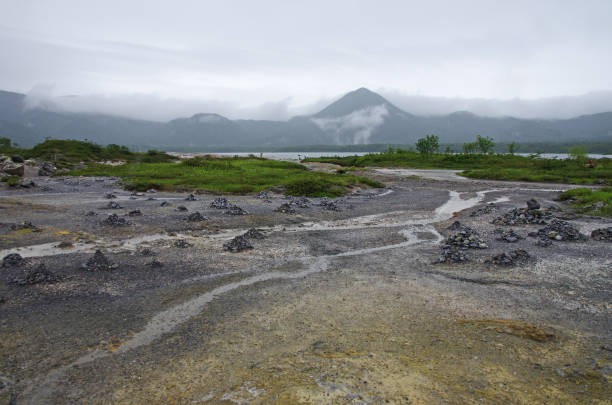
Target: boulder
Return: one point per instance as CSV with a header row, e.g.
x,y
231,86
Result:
x,y
17,158
47,169
13,169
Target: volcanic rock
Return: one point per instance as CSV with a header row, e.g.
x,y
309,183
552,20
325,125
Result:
x,y
518,216
116,220
25,225
285,209
112,205
507,236
561,230
238,244
99,262
196,217
512,258
164,204
533,204
110,196
235,210
220,204
190,197
38,275
181,208
17,158
602,234
13,260
487,209
135,213
182,244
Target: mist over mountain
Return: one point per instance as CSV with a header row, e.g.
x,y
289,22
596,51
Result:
x,y
358,117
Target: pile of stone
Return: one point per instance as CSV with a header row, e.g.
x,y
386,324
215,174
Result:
x,y
196,217
235,210
452,254
300,202
38,275
135,213
519,216
285,209
147,252
98,262
13,260
156,264
512,258
116,220
561,231
112,205
507,236
25,225
604,234
47,169
238,244
110,196
254,234
455,246
262,195
190,197
220,204
182,244
487,209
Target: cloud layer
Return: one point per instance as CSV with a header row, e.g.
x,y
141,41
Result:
x,y
356,127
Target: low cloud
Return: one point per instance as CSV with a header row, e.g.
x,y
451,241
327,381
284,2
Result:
x,y
356,127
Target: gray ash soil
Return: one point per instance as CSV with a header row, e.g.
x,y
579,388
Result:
x,y
330,306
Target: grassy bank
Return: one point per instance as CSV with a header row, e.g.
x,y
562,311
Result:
x,y
229,175
491,166
68,153
588,201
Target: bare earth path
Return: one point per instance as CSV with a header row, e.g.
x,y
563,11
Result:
x,y
332,306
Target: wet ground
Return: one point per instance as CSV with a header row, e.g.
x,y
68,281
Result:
x,y
331,306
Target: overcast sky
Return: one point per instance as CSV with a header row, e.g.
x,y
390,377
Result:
x,y
272,59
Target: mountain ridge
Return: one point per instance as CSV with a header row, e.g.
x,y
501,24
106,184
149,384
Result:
x,y
358,117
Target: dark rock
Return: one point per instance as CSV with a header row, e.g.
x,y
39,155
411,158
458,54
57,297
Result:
x,y
254,234
99,262
25,225
196,217
487,209
182,244
65,245
164,204
519,216
285,209
452,254
47,169
220,204
13,260
112,205
151,199
604,234
300,202
90,214
562,231
190,197
544,242
135,213
110,196
512,258
262,195
235,210
156,264
38,275
146,252
181,208
466,238
25,183
533,204
508,236
329,204
238,244
115,220
17,158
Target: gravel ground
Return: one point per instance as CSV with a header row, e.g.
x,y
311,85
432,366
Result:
x,y
331,306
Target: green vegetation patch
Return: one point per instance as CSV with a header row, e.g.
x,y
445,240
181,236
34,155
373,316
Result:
x,y
68,153
590,201
489,166
229,175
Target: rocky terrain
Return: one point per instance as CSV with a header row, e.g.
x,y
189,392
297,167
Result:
x,y
430,291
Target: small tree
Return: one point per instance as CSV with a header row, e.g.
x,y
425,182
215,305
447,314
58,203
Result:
x,y
428,145
578,153
513,147
448,150
5,143
469,147
485,144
